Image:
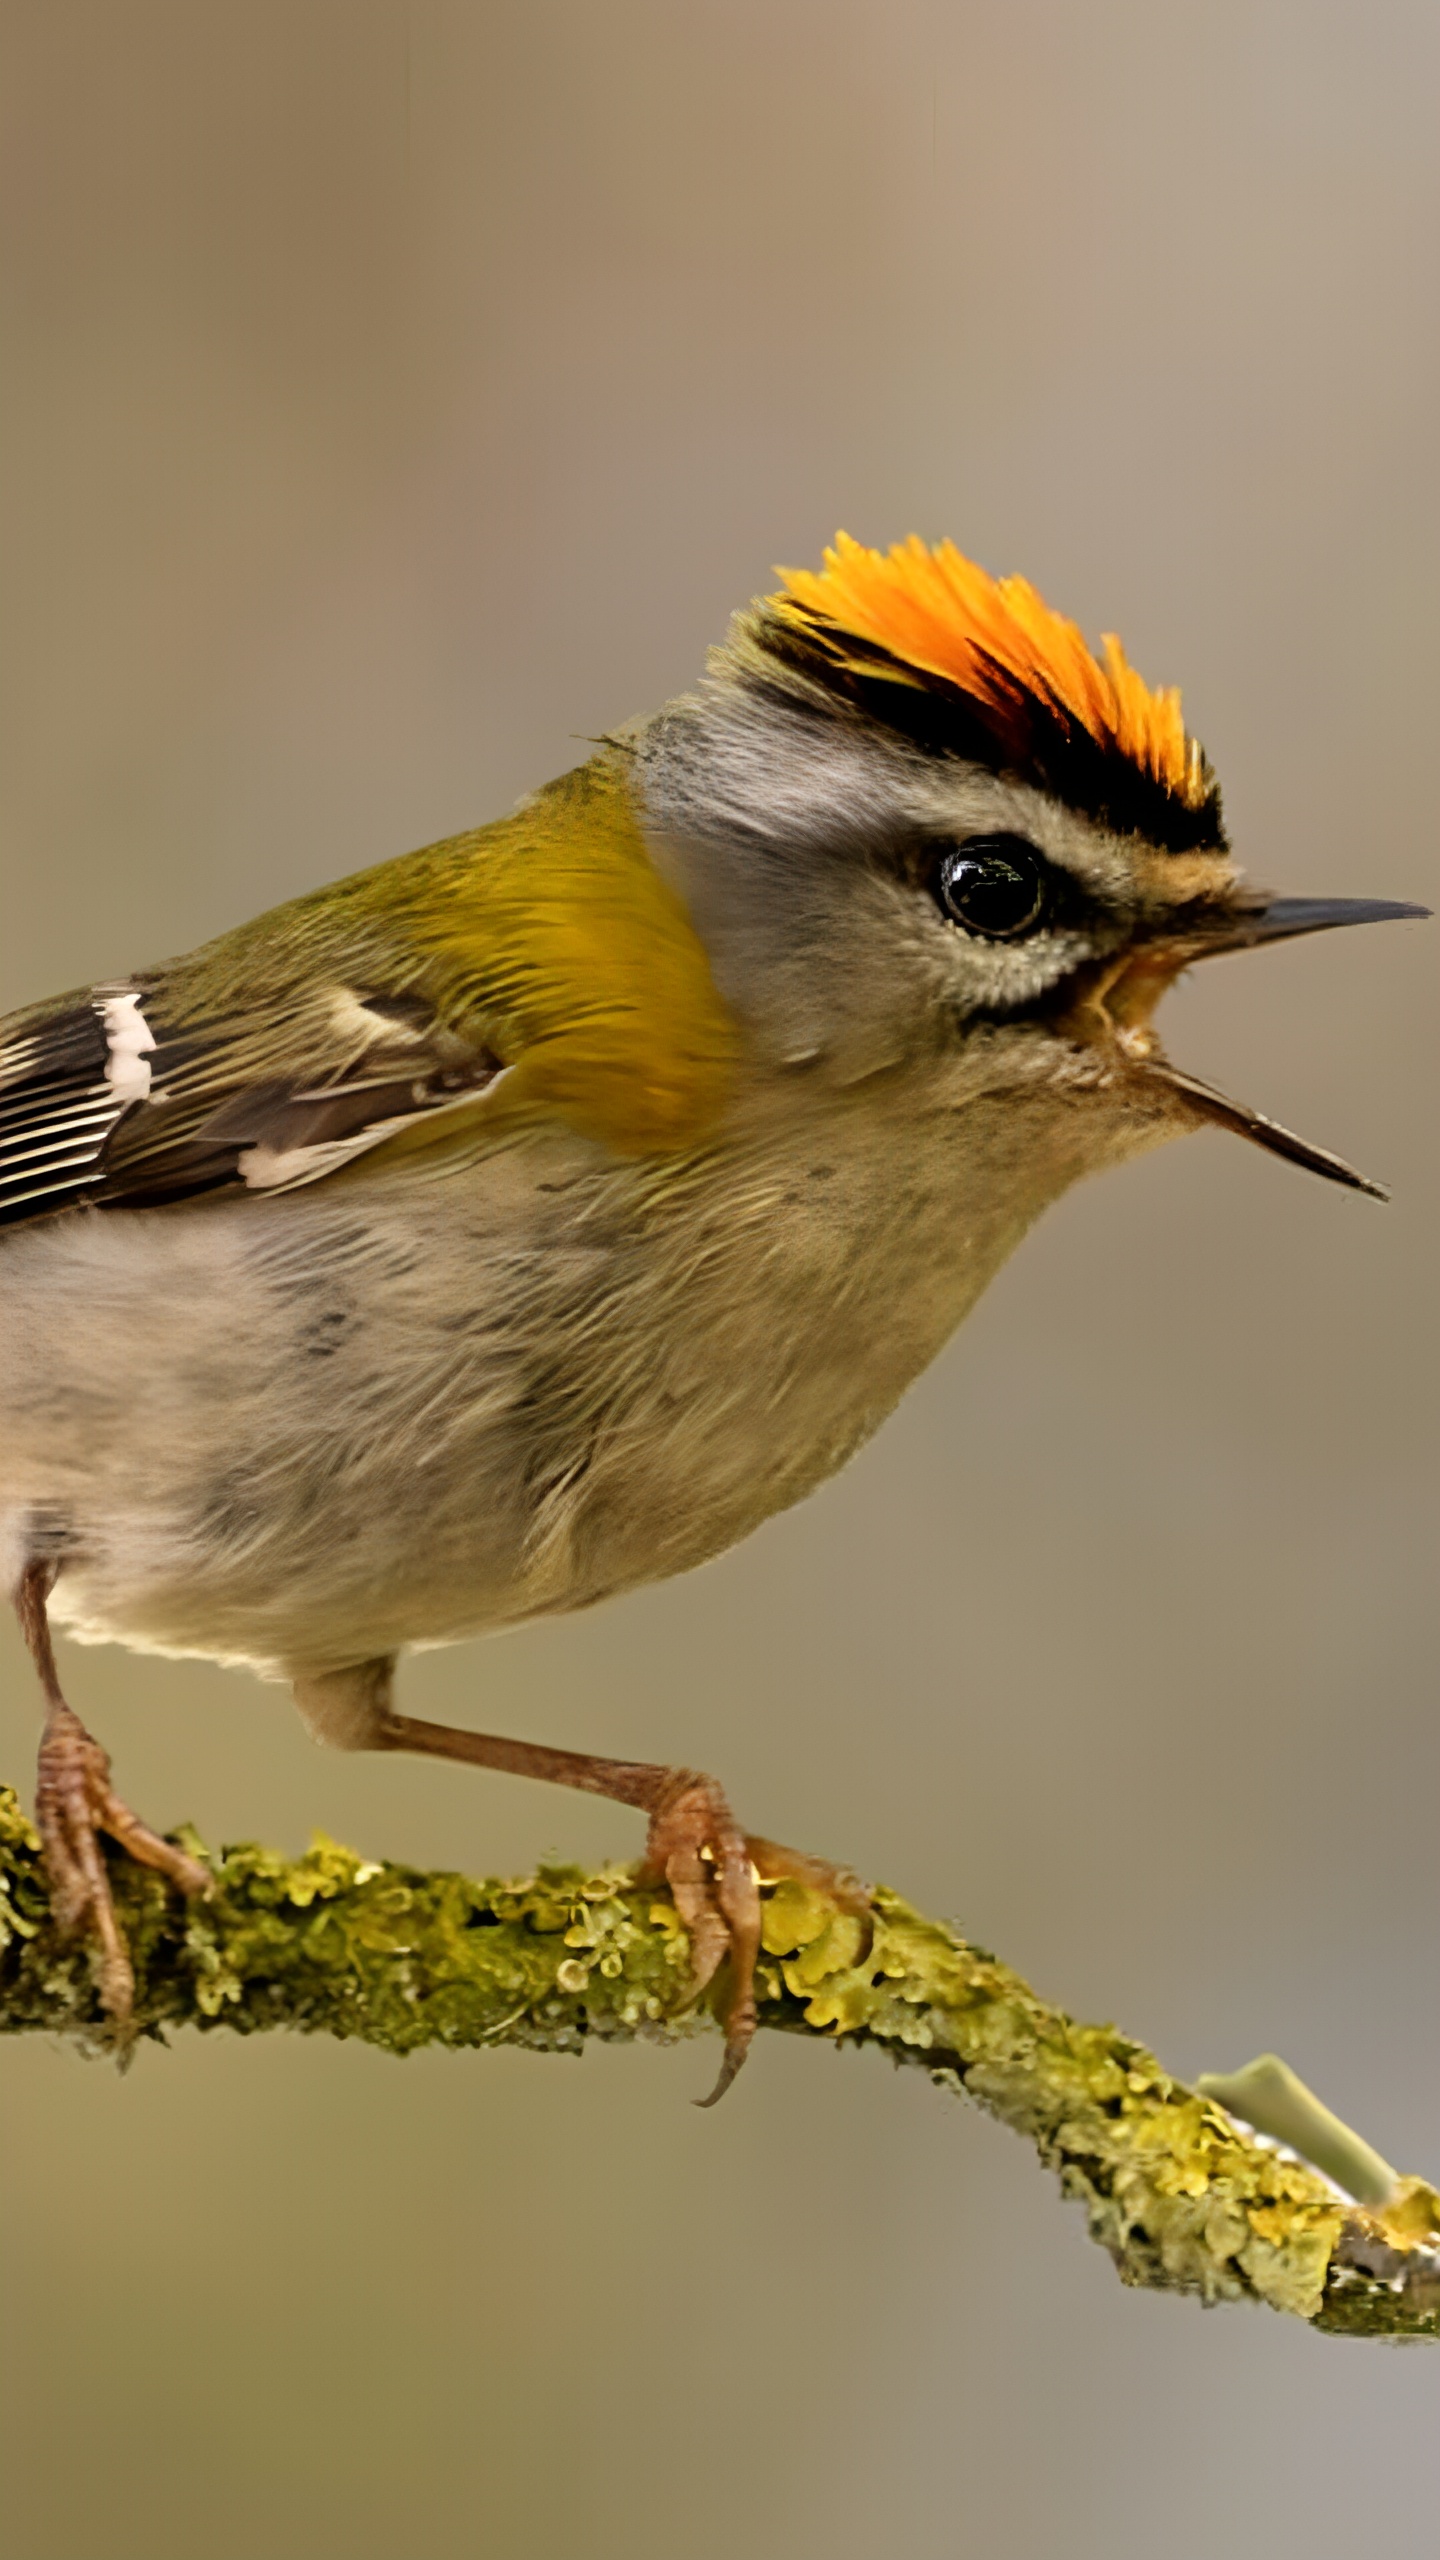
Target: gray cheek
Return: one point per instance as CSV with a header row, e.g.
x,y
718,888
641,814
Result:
x,y
821,960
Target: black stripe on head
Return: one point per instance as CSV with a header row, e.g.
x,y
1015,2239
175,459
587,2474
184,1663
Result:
x,y
1026,736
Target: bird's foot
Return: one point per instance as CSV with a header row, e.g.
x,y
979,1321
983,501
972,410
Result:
x,y
714,1871
74,1803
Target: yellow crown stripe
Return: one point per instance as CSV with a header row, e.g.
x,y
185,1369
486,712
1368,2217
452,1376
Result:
x,y
934,610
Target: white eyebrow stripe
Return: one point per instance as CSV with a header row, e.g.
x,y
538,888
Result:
x,y
128,1037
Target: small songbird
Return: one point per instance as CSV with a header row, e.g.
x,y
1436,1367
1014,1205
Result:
x,y
530,1217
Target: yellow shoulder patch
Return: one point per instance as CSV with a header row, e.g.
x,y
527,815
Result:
x,y
555,928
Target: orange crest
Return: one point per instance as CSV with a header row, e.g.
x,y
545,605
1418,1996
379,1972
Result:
x,y
936,612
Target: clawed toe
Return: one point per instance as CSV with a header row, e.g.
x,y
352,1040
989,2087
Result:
x,y
697,1847
74,1803
714,1871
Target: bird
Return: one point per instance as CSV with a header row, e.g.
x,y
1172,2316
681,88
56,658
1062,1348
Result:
x,y
527,1218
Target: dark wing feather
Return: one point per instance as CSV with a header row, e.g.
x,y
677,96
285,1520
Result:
x,y
265,1102
57,1110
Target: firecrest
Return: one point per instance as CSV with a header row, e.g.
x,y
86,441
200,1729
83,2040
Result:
x,y
531,1216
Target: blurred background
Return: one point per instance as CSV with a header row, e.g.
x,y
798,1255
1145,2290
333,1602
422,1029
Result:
x,y
397,396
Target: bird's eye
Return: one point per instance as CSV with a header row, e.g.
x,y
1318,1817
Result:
x,y
993,886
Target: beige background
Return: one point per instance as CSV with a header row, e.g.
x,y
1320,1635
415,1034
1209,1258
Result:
x,y
396,395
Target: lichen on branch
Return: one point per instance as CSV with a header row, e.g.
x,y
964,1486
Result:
x,y
1180,2193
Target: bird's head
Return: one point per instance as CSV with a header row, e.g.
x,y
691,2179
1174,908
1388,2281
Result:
x,y
916,819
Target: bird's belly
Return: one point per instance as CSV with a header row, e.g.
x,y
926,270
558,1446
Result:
x,y
275,1439
310,1430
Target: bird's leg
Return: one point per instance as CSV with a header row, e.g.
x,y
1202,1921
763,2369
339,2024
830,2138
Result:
x,y
74,1802
695,1845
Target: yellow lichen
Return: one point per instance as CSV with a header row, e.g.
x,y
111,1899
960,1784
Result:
x,y
332,1943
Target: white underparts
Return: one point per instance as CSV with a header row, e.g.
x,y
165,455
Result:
x,y
128,1038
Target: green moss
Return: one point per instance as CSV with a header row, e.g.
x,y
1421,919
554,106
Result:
x,y
335,1944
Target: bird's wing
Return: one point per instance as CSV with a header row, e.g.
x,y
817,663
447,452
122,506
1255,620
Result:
x,y
545,950
121,1094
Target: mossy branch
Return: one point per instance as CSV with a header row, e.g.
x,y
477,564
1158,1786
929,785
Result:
x,y
1182,2196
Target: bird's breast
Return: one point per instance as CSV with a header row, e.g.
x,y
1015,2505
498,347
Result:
x,y
763,1312
322,1426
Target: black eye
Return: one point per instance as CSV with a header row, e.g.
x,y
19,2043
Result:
x,y
993,886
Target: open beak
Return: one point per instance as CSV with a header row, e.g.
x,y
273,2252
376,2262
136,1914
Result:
x,y
1203,934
